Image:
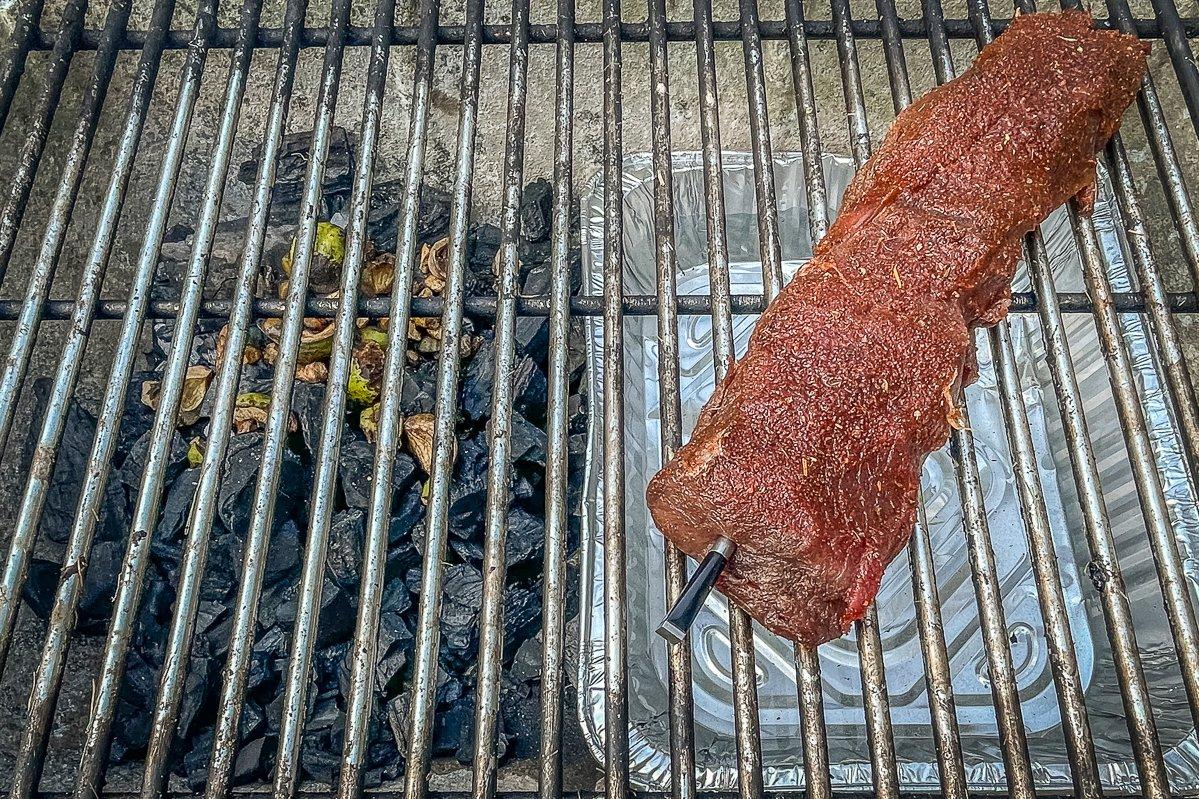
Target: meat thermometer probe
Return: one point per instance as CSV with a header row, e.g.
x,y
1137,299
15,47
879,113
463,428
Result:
x,y
680,618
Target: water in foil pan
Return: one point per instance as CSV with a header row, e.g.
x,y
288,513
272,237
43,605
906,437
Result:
x,y
782,754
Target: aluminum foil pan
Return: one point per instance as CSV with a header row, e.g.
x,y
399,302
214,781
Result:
x,y
649,742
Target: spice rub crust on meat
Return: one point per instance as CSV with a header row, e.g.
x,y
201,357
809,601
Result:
x,y
808,454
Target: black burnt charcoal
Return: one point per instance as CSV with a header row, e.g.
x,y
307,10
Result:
x,y
522,617
270,650
195,762
536,210
520,711
199,688
283,557
41,582
530,391
462,597
356,469
483,243
419,389
292,168
242,460
252,760
134,464
533,332
224,565
308,404
346,536
396,643
167,544
320,748
528,441
337,613
476,383
524,540
99,586
66,483
382,225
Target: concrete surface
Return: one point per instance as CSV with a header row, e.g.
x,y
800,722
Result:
x,y
73,705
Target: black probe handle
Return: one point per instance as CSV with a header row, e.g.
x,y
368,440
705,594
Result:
x,y
680,618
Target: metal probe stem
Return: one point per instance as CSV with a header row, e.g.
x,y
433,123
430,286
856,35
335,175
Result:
x,y
680,618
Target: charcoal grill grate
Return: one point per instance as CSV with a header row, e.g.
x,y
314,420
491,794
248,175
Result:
x,y
133,305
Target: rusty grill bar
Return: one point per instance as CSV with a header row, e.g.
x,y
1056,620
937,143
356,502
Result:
x,y
618,30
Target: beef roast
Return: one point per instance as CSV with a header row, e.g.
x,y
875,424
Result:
x,y
808,454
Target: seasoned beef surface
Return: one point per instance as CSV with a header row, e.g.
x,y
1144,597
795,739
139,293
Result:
x,y
808,454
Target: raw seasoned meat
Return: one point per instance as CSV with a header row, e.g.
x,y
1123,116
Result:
x,y
808,454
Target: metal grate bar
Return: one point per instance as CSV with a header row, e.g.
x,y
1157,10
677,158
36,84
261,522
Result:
x,y
937,674
39,129
879,734
49,673
744,669
1183,58
484,307
616,706
38,284
682,715
1014,744
592,33
557,453
491,635
12,61
424,679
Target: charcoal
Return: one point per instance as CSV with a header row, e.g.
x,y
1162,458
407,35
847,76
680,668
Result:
x,y
454,729
41,583
462,597
198,689
396,598
476,383
167,544
402,555
536,210
346,536
253,719
291,168
524,539
137,418
270,651
236,496
533,332
320,748
195,762
224,565
419,389
526,663
66,483
467,500
337,613
308,404
526,486
283,556
382,226
522,616
357,466
251,761
99,586
527,441
529,388
520,712
396,643
483,243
